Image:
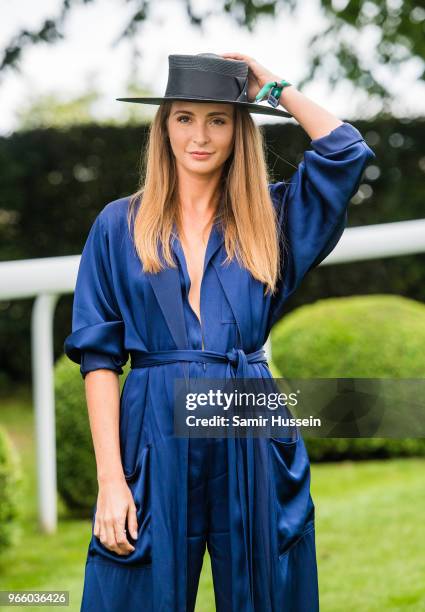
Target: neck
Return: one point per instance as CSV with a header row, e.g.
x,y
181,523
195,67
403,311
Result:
x,y
198,195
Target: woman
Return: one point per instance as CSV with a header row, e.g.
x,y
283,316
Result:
x,y
187,277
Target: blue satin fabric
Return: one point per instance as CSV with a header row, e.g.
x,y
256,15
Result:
x,y
261,536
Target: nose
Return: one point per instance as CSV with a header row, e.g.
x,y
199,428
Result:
x,y
201,142
200,136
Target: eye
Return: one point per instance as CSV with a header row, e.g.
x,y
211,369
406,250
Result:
x,y
187,117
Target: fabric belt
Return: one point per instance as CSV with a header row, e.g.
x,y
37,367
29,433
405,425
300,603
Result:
x,y
236,357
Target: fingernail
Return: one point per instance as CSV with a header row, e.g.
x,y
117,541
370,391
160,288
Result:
x,y
135,535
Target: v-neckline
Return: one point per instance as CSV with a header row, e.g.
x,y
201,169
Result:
x,y
183,260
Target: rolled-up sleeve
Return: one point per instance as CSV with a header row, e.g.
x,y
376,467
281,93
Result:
x,y
97,338
312,208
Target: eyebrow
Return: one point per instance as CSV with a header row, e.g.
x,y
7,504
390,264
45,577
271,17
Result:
x,y
208,114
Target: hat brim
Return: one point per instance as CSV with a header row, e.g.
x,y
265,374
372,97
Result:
x,y
252,107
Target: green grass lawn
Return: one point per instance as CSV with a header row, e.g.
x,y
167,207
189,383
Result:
x,y
370,533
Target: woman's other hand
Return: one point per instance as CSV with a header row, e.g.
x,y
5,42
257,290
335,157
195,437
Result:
x,y
114,504
258,75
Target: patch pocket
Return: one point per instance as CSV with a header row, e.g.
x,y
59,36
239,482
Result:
x,y
139,483
294,506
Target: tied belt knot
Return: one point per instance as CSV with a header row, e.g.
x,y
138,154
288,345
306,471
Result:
x,y
239,360
235,356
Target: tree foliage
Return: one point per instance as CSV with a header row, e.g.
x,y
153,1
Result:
x,y
398,25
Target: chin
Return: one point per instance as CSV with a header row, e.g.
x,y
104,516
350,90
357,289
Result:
x,y
203,167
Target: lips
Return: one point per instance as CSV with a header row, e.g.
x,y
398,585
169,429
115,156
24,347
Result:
x,y
201,155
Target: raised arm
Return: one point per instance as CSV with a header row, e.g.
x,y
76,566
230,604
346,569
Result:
x,y
312,117
312,207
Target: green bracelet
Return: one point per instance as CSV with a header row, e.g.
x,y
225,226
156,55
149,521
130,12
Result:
x,y
275,90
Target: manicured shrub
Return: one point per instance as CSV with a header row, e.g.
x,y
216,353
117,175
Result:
x,y
371,336
11,496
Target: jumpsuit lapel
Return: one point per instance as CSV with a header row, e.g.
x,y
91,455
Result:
x,y
237,281
166,286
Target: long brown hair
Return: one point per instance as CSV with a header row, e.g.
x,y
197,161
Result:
x,y
246,211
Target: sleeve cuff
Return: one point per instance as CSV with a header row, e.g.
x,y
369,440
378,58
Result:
x,y
339,138
91,360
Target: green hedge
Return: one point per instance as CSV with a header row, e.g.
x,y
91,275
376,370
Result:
x,y
11,496
376,336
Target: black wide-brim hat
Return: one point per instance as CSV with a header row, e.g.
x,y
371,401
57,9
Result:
x,y
207,77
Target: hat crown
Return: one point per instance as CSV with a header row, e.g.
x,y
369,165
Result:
x,y
206,76
209,62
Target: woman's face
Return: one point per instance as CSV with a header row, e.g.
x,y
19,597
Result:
x,y
201,126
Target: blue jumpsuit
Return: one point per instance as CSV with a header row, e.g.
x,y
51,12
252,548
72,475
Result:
x,y
247,499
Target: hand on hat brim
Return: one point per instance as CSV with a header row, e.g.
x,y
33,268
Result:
x,y
258,75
